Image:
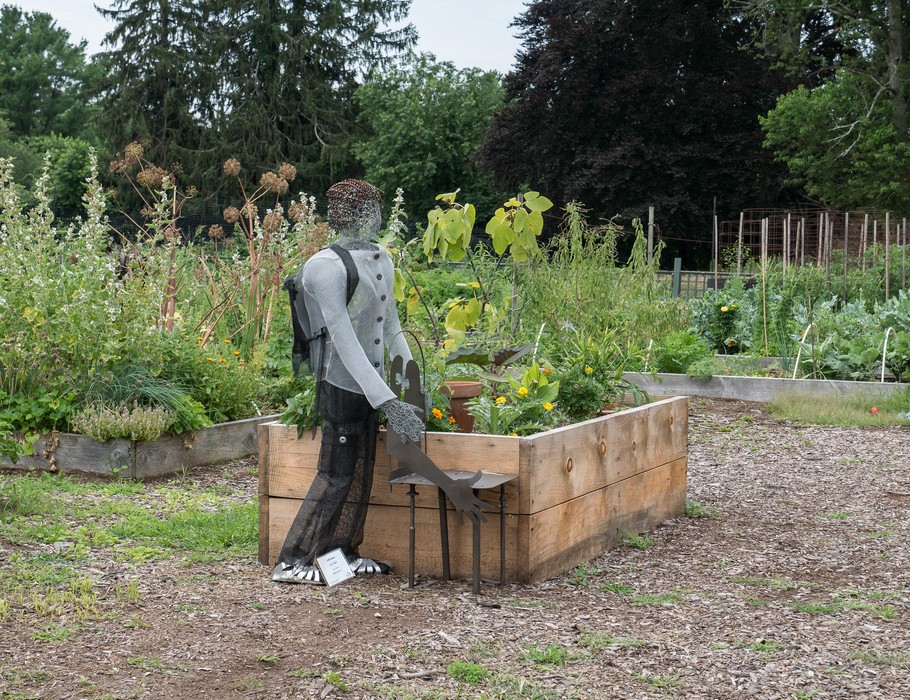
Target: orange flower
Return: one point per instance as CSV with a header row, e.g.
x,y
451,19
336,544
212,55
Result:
x,y
451,420
437,414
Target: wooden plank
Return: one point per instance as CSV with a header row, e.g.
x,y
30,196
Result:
x,y
220,443
292,464
386,539
538,546
569,462
78,453
570,533
263,494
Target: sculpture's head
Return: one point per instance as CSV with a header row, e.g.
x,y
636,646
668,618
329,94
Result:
x,y
354,209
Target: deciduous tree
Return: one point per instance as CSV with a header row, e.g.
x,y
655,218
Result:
x,y
622,105
425,120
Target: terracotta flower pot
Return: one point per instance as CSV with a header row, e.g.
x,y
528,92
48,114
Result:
x,y
459,393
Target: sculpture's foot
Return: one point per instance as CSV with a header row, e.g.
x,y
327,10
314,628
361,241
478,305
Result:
x,y
297,573
361,566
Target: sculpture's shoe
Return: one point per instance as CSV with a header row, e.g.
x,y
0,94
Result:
x,y
297,573
364,567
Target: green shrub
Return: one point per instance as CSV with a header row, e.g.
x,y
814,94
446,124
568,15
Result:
x,y
136,422
678,350
703,369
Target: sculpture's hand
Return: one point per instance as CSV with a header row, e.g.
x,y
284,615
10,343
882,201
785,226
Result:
x,y
403,420
461,493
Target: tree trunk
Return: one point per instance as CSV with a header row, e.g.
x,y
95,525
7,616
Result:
x,y
895,57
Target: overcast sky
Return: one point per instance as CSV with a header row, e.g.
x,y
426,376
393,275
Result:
x,y
470,33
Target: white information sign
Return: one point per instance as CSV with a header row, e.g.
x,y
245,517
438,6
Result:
x,y
334,567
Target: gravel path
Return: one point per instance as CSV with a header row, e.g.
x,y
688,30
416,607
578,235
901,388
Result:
x,y
793,583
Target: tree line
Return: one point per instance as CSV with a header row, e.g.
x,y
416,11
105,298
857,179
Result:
x,y
695,107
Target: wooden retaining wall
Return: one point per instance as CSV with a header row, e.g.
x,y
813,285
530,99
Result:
x,y
577,487
71,452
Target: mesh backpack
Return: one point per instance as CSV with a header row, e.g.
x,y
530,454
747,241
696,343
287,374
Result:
x,y
304,335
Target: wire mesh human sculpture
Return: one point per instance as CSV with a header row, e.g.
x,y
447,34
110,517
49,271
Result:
x,y
349,365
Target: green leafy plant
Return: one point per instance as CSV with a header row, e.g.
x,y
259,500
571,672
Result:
x,y
678,350
467,672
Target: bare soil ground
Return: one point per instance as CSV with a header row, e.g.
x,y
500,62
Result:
x,y
798,587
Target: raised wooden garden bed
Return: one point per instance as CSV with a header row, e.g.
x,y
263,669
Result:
x,y
577,487
71,452
757,388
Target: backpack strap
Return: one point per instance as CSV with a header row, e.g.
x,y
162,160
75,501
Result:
x,y
353,277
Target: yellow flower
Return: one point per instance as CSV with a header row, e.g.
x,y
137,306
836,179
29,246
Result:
x,y
227,340
501,400
523,391
222,360
236,352
451,420
589,370
724,309
437,414
548,406
210,359
199,338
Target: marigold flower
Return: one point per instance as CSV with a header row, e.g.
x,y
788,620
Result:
x,y
227,340
547,370
589,370
548,406
523,391
236,352
501,400
451,420
232,167
437,414
222,360
210,359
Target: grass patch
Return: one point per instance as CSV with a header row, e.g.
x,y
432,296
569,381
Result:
x,y
467,672
599,640
671,598
622,589
879,657
694,509
841,411
628,539
546,655
661,682
583,573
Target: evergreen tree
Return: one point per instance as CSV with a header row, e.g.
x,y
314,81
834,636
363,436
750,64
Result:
x,y
291,68
42,76
155,77
263,81
622,104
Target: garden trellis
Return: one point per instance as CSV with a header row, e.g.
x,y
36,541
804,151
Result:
x,y
813,236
